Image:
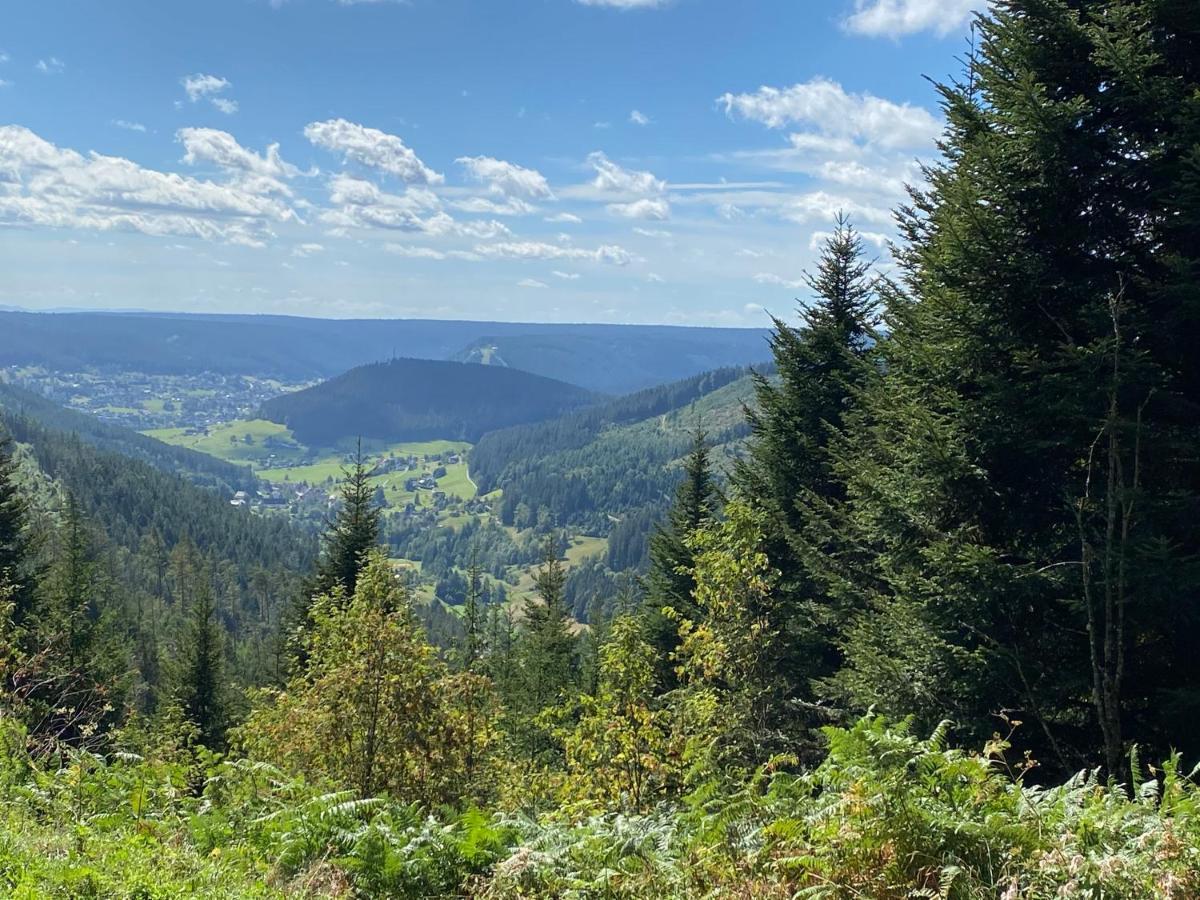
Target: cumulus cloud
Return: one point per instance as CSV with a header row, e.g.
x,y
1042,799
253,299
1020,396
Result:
x,y
566,276
50,66
371,147
566,217
307,249
638,118
655,209
42,184
823,104
199,85
505,178
607,253
361,204
612,178
210,145
894,18
129,126
208,87
652,232
531,283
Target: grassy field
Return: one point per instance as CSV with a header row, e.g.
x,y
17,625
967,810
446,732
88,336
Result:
x,y
228,441
294,463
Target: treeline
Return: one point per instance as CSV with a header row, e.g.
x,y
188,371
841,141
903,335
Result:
x,y
419,399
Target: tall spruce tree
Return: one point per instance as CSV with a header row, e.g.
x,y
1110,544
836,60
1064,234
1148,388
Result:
x,y
1023,484
821,366
202,689
353,534
17,565
669,583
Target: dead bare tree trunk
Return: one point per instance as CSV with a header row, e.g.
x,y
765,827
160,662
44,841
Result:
x,y
1105,525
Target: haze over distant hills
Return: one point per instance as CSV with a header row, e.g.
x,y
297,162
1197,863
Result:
x,y
607,358
421,399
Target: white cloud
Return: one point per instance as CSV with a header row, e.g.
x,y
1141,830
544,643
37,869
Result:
x,y
510,206
51,66
507,178
199,86
823,104
652,232
638,118
894,18
371,147
357,203
308,249
44,185
769,278
567,217
565,276
210,145
410,252
612,178
608,253
4,83
654,278
531,283
4,57
652,209
129,126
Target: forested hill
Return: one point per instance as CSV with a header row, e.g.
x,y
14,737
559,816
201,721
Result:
x,y
199,468
300,349
614,461
418,399
614,364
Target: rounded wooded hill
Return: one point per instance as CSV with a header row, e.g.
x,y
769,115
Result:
x,y
419,399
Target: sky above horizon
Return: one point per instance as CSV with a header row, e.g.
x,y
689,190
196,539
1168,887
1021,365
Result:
x,y
643,161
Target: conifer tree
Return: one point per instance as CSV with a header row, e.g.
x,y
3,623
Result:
x,y
474,617
16,556
1017,534
353,534
821,365
203,690
545,655
669,582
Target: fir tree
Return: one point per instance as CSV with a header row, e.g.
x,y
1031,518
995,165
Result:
x,y
353,534
669,583
821,365
203,691
16,552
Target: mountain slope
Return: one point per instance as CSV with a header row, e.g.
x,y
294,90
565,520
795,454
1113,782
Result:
x,y
598,466
419,399
300,349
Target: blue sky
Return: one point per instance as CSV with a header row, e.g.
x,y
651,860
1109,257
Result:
x,y
541,160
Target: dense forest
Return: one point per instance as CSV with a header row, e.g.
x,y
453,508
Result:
x,y
934,636
608,464
418,399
